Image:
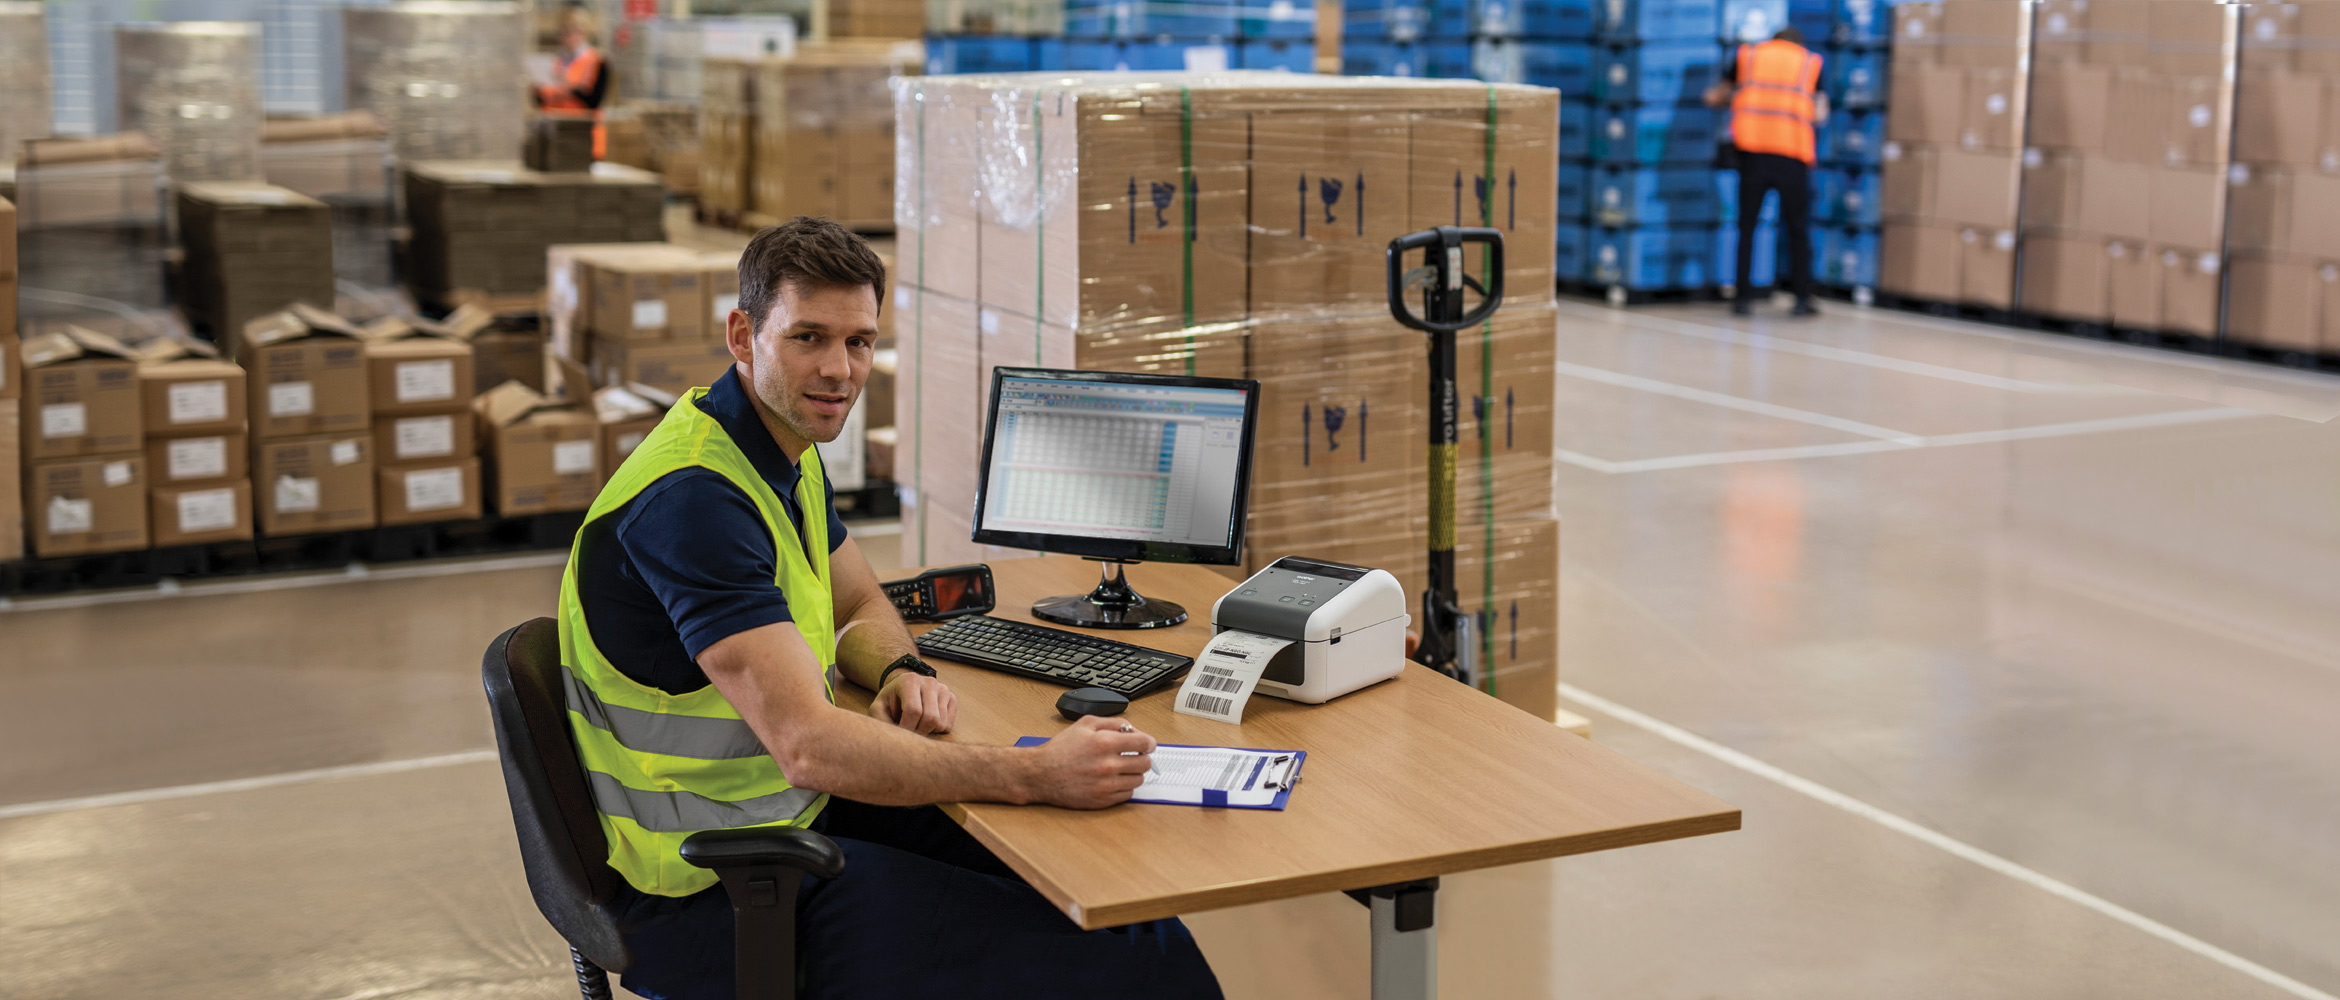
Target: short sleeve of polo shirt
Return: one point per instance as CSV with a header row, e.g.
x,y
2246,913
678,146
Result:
x,y
698,544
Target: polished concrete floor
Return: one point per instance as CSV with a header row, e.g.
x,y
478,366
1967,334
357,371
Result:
x,y
2020,654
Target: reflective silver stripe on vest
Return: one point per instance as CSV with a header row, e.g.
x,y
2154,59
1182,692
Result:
x,y
654,732
689,812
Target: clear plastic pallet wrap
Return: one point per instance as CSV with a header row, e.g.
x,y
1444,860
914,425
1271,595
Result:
x,y
194,88
24,76
445,76
1236,224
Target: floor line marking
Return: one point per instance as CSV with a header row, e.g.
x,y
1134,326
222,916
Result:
x,y
352,573
1730,402
167,793
2129,352
2073,428
1944,842
1785,345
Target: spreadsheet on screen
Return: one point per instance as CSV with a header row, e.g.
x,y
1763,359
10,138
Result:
x,y
1106,460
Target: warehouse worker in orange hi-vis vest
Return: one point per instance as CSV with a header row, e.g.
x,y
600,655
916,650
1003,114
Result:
x,y
1773,90
583,75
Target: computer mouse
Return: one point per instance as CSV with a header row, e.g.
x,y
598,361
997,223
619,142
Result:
x,y
1090,701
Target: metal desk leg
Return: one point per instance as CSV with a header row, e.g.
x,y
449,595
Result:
x,y
1405,939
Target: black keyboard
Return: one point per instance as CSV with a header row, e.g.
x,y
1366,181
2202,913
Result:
x,y
1054,655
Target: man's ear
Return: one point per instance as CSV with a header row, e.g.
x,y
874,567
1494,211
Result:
x,y
739,334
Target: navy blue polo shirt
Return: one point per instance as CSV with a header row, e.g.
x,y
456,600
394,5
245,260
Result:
x,y
688,562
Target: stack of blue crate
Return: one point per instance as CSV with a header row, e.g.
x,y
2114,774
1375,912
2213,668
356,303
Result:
x,y
1857,61
1653,205
994,36
1190,35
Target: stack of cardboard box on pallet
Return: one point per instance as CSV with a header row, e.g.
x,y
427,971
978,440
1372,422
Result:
x,y
252,249
2285,285
84,434
419,376
1235,225
480,228
313,454
1954,151
812,134
2125,189
11,387
197,448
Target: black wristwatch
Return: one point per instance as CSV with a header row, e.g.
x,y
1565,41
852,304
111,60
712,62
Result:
x,y
909,662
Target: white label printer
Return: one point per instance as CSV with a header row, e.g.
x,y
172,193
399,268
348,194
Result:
x,y
1346,626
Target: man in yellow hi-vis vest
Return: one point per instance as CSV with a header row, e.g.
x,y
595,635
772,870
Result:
x,y
1772,88
711,604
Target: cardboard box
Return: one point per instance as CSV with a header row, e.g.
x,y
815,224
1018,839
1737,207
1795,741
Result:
x,y
542,456
2199,128
190,393
1506,381
1917,32
2066,276
2318,27
176,461
673,367
307,376
1991,110
87,505
2136,117
2190,39
2189,290
7,237
311,484
1977,189
1919,260
2119,34
434,438
2134,280
500,356
1911,175
1986,267
412,368
11,489
2277,301
2270,32
252,249
2090,194
654,293
195,515
2189,206
81,397
427,492
2061,38
1928,103
2285,211
1989,34
627,415
2069,106
2279,118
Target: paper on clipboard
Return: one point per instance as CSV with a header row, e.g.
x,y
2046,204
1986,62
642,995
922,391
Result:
x,y
1233,777
1224,675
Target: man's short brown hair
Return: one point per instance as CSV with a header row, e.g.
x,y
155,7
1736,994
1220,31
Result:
x,y
807,253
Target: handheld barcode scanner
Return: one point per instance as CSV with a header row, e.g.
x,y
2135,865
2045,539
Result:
x,y
1448,644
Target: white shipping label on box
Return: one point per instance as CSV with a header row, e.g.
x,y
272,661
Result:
x,y
345,452
649,314
64,420
1225,674
68,516
206,510
198,402
425,381
434,489
425,437
292,399
197,458
117,474
571,458
724,304
296,494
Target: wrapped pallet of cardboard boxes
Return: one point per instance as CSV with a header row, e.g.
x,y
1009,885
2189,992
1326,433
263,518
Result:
x,y
419,377
197,449
1236,225
481,226
11,378
83,437
1954,151
311,419
2284,280
252,249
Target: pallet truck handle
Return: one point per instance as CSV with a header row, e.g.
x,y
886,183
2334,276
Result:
x,y
1448,240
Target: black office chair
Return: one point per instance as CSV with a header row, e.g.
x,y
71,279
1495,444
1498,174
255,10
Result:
x,y
562,848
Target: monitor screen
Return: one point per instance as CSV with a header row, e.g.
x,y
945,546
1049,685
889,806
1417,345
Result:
x,y
1117,465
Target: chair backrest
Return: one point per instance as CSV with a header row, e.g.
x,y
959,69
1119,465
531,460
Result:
x,y
561,845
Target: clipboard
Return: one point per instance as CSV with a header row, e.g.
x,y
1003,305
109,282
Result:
x,y
1248,795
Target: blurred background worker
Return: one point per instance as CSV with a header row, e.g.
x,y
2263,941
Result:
x,y
1773,90
580,75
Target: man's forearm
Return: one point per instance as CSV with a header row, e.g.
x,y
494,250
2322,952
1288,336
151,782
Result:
x,y
874,637
850,754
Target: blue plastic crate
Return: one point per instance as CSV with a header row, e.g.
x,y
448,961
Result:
x,y
1568,258
1384,59
1654,196
1755,20
1658,73
1139,19
947,55
1726,200
1629,21
1282,19
1563,65
1846,258
1763,263
1812,18
1655,134
1575,197
1853,138
1847,197
1853,78
1859,22
1297,56
1156,55
1549,19
1385,20
1652,258
1450,19
1449,60
1575,129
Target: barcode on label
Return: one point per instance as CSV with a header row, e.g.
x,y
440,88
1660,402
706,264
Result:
x,y
1213,681
1201,702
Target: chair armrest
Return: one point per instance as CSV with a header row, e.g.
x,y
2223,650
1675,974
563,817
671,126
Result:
x,y
786,846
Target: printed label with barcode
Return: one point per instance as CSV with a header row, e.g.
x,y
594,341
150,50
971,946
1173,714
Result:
x,y
1224,675
1205,703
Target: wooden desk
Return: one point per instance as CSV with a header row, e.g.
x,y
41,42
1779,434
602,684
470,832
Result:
x,y
1409,779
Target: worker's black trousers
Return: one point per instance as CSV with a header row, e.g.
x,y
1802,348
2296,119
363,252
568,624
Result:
x,y
1759,175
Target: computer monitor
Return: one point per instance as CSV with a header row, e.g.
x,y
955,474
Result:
x,y
1118,467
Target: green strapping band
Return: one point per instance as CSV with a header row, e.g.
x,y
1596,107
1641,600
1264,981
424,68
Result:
x,y
1039,235
1487,409
1186,184
918,334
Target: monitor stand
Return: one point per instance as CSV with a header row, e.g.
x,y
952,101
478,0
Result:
x,y
1112,605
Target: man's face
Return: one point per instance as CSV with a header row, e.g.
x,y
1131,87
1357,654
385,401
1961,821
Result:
x,y
808,359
